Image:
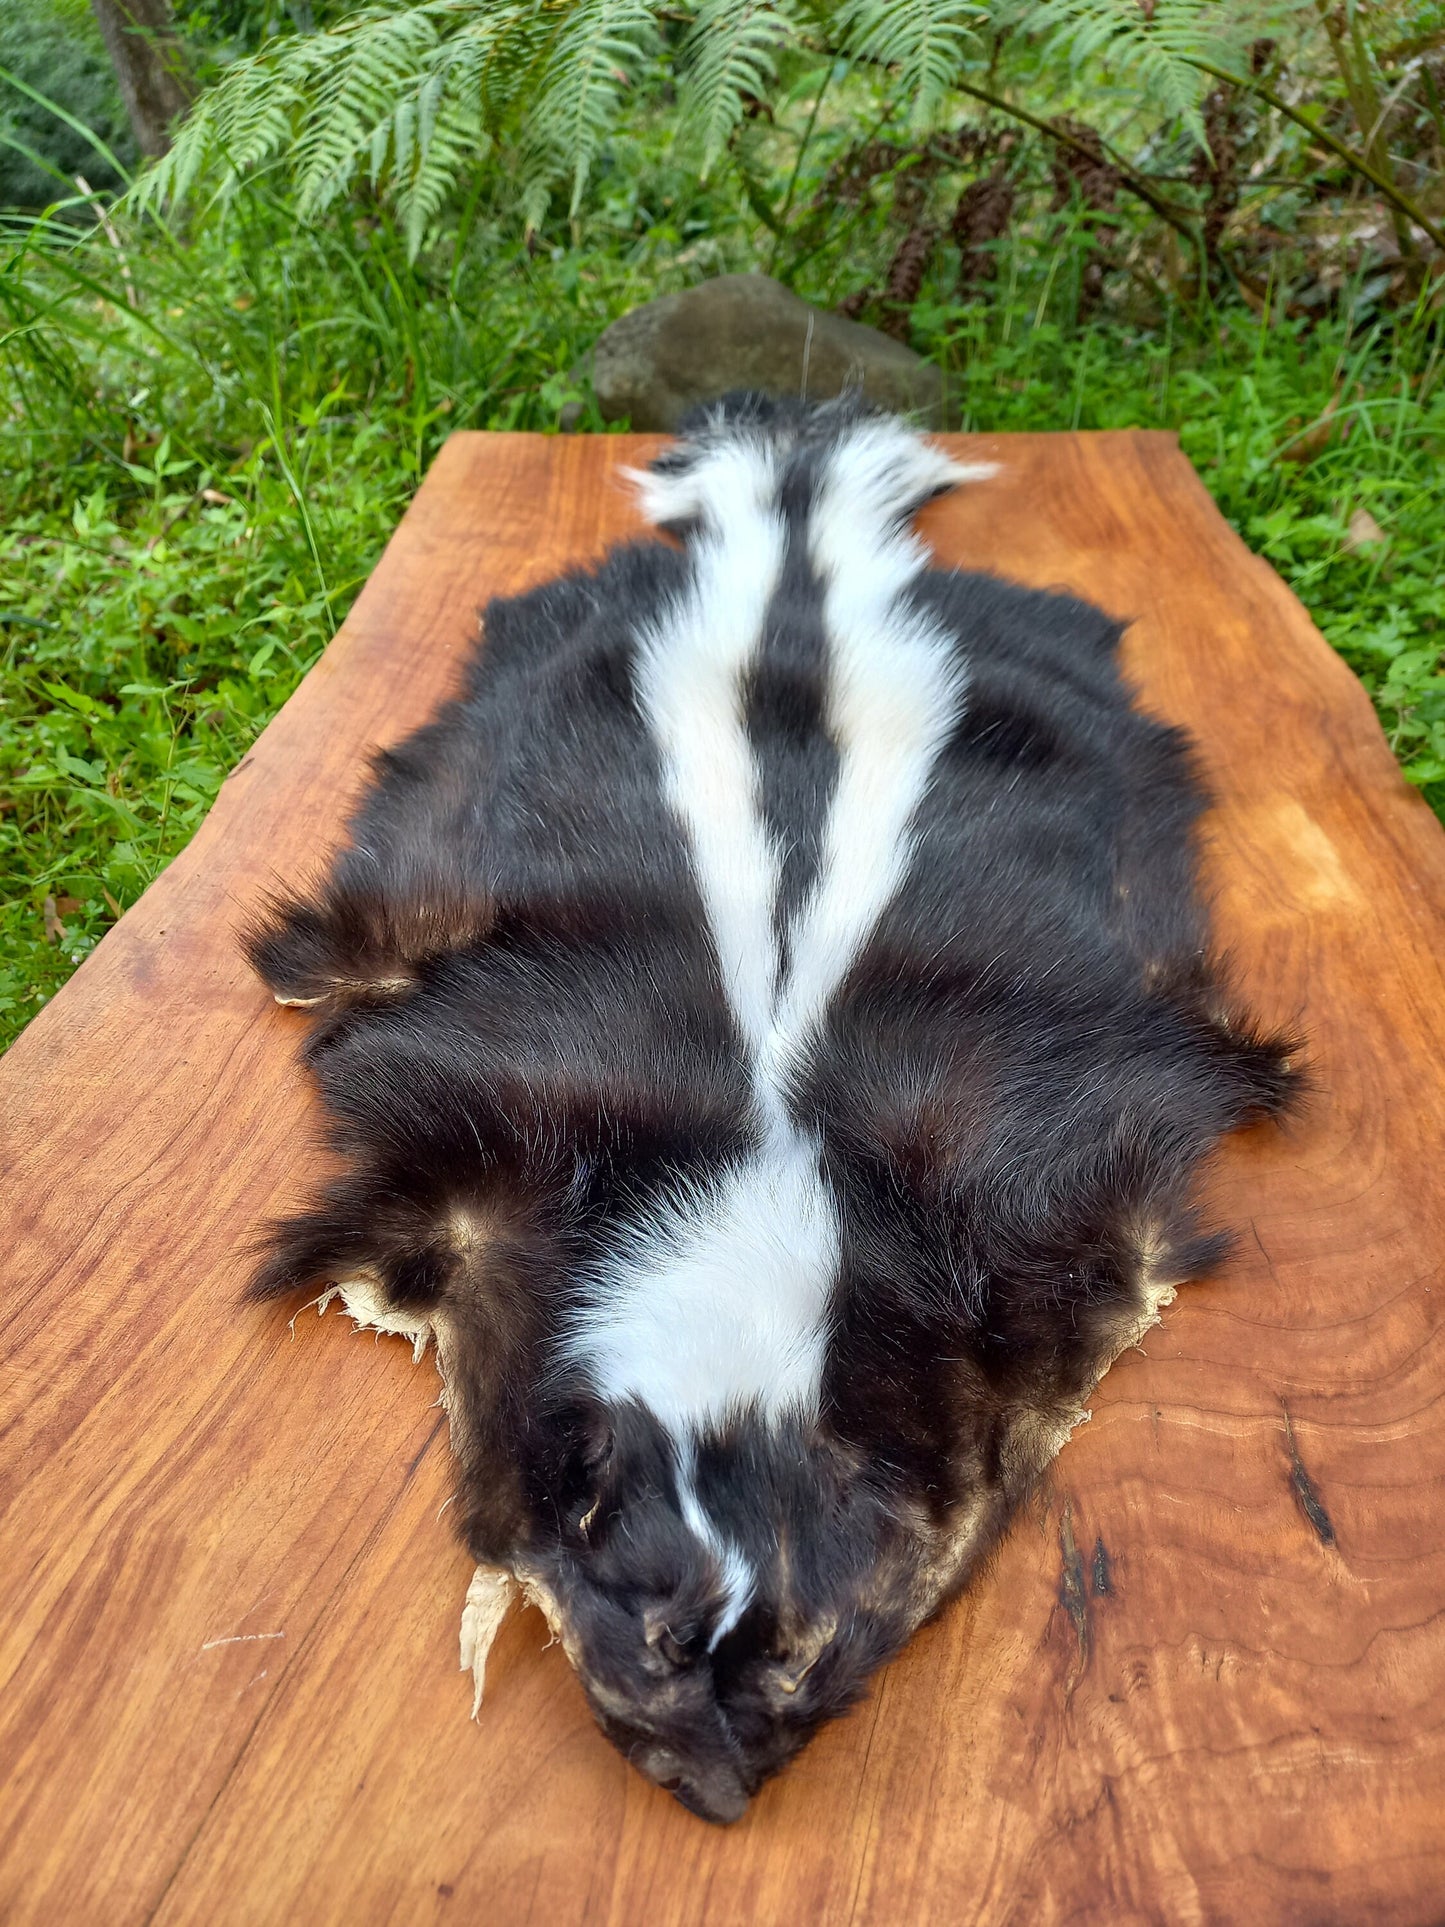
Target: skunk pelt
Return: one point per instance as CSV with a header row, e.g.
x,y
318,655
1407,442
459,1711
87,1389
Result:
x,y
769,1028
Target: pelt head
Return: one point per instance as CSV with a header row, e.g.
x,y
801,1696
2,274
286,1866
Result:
x,y
721,1603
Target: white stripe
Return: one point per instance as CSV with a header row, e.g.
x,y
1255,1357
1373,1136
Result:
x,y
690,674
719,1302
738,1580
894,697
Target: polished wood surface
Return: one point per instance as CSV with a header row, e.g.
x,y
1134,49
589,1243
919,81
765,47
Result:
x,y
1205,1679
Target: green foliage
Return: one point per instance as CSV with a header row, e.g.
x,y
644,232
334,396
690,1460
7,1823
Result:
x,y
925,43
55,49
729,56
384,105
221,31
597,49
411,99
1160,50
417,99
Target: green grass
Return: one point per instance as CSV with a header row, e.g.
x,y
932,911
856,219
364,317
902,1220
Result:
x,y
206,446
1295,430
193,494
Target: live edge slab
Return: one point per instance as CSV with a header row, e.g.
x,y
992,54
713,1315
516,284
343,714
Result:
x,y
1205,1681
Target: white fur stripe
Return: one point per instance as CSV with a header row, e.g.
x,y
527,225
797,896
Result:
x,y
738,1580
894,692
719,1302
690,674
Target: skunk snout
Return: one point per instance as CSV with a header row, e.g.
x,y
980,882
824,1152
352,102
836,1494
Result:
x,y
692,1755
715,1793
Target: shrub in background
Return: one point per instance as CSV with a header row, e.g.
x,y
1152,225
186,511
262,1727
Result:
x,y
55,48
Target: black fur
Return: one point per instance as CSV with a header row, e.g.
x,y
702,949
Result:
x,y
521,1038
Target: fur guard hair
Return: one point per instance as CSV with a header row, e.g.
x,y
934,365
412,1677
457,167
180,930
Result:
x,y
770,1030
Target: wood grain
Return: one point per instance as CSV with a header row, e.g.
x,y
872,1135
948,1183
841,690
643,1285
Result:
x,y
1204,1681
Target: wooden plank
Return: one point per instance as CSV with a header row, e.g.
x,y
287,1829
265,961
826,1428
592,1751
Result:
x,y
228,1609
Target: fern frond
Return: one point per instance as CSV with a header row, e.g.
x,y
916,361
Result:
x,y
231,131
597,55
503,53
927,42
414,95
1160,51
452,142
376,68
405,94
730,52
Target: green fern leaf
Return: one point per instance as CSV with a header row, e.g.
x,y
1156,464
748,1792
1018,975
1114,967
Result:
x,y
730,52
454,142
377,61
1161,51
926,41
598,52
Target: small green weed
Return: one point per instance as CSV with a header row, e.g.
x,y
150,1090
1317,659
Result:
x,y
1321,446
196,486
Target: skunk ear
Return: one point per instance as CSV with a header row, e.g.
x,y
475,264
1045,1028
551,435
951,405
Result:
x,y
355,945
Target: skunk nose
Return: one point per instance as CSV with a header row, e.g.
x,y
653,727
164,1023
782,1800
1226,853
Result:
x,y
713,1793
721,1797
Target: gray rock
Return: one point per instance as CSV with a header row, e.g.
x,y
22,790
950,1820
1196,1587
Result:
x,y
747,331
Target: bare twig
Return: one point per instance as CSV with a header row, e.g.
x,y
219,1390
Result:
x,y
1348,155
108,229
1137,184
